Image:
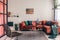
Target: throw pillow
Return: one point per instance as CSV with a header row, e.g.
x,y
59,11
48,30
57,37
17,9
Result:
x,y
49,23
26,22
29,22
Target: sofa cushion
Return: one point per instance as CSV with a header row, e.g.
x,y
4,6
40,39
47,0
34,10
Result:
x,y
49,23
29,22
34,23
44,22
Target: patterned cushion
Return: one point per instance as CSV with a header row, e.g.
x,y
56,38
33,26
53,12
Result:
x,y
33,28
26,22
33,23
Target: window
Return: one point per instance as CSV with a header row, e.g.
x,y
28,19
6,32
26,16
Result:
x,y
57,10
1,7
3,2
3,15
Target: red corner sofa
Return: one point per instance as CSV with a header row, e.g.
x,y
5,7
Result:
x,y
41,25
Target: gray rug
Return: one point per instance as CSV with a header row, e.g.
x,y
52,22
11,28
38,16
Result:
x,y
32,35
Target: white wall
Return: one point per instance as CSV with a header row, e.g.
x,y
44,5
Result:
x,y
42,10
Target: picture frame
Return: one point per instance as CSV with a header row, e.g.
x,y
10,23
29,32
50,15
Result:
x,y
29,10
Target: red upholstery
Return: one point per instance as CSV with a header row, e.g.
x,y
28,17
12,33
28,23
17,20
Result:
x,y
47,29
34,23
23,24
58,29
40,25
44,22
25,27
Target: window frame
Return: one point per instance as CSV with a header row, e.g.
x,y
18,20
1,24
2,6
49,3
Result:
x,y
56,9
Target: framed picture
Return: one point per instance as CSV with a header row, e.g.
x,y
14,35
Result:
x,y
29,10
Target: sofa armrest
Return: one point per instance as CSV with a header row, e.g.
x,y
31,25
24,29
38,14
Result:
x,y
47,29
